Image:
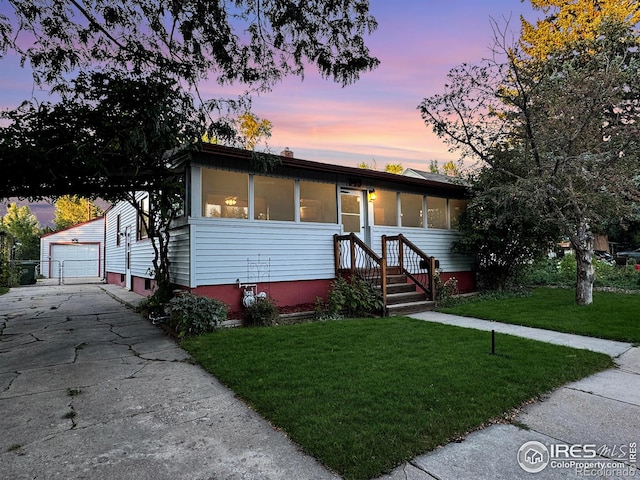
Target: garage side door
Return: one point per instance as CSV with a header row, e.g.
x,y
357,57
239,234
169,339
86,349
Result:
x,y
77,260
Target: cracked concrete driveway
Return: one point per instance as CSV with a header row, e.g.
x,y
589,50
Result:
x,y
90,389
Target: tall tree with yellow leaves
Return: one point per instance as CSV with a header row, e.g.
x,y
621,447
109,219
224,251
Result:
x,y
568,22
71,210
253,130
555,117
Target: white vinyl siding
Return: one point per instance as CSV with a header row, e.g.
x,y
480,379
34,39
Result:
x,y
115,253
179,255
224,247
141,250
434,242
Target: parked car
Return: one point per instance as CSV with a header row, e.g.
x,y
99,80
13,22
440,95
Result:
x,y
624,256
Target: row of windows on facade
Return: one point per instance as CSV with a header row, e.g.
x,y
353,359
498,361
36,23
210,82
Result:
x,y
227,195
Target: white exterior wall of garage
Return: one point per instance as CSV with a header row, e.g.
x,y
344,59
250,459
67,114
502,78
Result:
x,y
76,251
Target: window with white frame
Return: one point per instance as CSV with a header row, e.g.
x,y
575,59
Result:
x,y
437,212
456,208
385,208
274,198
318,202
143,218
411,206
225,194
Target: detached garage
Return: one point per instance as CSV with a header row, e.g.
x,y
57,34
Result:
x,y
74,252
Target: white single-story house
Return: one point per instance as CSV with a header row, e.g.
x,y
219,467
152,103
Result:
x,y
76,251
279,231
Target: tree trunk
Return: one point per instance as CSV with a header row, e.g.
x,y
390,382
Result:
x,y
585,274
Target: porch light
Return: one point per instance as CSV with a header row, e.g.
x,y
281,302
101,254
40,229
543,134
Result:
x,y
231,201
372,195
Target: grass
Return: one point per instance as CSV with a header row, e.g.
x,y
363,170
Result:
x,y
3,290
615,316
362,396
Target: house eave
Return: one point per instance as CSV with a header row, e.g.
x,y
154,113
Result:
x,y
208,154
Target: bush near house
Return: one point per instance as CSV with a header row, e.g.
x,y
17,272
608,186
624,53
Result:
x,y
194,315
350,297
262,313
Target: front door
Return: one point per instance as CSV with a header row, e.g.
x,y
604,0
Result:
x,y
352,213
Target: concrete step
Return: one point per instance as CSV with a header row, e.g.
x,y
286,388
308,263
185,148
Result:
x,y
410,307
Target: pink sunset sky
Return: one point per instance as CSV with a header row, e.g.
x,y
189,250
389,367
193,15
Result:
x,y
376,119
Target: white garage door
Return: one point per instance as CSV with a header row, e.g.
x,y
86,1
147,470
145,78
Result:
x,y
77,260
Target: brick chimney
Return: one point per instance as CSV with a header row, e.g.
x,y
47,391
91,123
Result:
x,y
286,153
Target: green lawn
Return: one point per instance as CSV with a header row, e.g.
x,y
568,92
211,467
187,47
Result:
x,y
615,316
365,395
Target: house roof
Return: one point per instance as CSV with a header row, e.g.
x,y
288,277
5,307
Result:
x,y
101,217
437,177
234,158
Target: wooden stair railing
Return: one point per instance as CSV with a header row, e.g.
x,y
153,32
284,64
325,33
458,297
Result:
x,y
353,257
398,252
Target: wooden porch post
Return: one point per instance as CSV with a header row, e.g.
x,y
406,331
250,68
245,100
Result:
x,y
336,254
352,248
401,253
383,275
432,274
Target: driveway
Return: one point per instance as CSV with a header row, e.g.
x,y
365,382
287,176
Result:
x,y
90,389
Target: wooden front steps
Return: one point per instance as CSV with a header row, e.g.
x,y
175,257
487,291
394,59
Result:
x,y
403,297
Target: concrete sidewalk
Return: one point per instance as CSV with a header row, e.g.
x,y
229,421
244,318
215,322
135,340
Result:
x,y
90,389
602,410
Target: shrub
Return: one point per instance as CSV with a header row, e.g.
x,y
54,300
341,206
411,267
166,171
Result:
x,y
9,273
567,268
262,313
542,272
194,315
445,291
353,298
562,273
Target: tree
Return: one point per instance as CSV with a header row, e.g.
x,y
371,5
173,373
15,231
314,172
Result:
x,y
247,131
568,22
253,130
114,137
251,42
450,169
23,225
366,166
248,43
501,229
109,138
394,168
128,72
562,128
71,210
